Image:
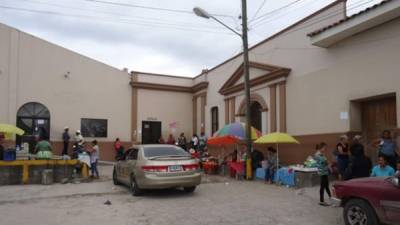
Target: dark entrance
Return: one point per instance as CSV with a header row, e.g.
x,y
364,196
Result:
x,y
34,119
377,115
151,132
256,115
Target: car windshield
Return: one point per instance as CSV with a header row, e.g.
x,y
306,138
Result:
x,y
164,151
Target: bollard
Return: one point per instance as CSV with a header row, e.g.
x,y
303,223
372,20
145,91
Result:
x,y
85,170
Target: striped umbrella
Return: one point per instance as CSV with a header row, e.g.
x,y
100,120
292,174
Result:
x,y
237,130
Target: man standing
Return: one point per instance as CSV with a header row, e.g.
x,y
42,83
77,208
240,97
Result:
x,y
202,142
65,137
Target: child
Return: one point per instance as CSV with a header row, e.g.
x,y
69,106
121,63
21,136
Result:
x,y
323,172
382,170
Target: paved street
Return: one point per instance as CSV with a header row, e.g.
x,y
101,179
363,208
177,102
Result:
x,y
217,201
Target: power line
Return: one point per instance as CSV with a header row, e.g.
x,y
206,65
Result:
x,y
150,7
145,19
261,20
106,19
315,21
259,9
328,16
274,11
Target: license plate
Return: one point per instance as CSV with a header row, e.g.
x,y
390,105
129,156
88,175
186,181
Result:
x,y
175,168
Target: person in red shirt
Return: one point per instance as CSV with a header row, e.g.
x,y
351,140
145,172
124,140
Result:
x,y
171,140
119,149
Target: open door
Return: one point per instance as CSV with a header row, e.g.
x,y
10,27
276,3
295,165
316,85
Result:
x,y
151,132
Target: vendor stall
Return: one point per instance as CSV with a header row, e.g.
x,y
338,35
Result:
x,y
293,176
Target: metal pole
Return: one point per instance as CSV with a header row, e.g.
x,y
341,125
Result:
x,y
246,88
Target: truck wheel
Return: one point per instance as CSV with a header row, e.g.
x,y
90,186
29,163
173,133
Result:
x,y
189,189
135,190
359,212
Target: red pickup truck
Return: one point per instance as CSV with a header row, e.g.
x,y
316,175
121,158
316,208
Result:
x,y
369,201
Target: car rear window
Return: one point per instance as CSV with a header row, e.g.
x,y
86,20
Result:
x,y
164,151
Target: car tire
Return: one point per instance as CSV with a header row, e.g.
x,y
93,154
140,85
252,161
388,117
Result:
x,y
189,189
134,188
114,177
359,212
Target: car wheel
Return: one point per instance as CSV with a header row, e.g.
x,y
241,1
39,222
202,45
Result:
x,y
189,189
135,190
359,212
115,179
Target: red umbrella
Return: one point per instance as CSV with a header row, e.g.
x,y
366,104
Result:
x,y
223,140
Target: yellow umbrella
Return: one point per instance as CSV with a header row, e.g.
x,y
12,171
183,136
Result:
x,y
277,138
9,130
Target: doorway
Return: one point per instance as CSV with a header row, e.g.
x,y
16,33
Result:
x,y
151,132
256,115
34,119
377,114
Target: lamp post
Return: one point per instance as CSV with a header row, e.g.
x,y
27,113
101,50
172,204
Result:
x,y
202,13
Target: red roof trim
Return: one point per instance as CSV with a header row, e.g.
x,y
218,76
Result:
x,y
321,30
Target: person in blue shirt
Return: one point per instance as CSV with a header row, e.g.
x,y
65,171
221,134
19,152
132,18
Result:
x,y
382,170
387,148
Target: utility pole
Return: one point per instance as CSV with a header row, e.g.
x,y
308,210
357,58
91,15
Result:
x,y
202,13
246,89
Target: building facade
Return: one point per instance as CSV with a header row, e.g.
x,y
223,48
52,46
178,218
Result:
x,y
326,75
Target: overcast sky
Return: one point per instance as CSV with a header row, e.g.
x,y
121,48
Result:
x,y
141,35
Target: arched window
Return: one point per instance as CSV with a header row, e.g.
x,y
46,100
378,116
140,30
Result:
x,y
34,119
214,120
256,115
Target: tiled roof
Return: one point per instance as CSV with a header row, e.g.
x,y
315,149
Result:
x,y
348,18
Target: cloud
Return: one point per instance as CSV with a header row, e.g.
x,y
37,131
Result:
x,y
148,40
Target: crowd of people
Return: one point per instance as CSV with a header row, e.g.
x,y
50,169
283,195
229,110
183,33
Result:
x,y
198,144
43,149
352,162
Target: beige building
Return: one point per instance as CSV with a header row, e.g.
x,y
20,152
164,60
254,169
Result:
x,y
325,75
44,87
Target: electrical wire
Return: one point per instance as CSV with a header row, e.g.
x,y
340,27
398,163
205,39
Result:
x,y
150,7
106,19
259,9
145,19
275,11
328,16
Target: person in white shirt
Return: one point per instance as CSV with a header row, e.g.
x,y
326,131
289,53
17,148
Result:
x,y
94,158
195,142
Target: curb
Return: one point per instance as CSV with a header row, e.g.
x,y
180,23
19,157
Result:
x,y
108,163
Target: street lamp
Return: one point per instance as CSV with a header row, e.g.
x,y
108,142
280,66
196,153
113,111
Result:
x,y
202,13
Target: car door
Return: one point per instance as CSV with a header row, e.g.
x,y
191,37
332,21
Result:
x,y
390,202
122,167
129,162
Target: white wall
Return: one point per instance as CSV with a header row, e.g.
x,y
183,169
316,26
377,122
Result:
x,y
167,107
33,70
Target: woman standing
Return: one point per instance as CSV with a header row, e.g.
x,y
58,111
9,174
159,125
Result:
x,y
43,149
182,141
342,156
323,172
94,158
359,164
195,142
